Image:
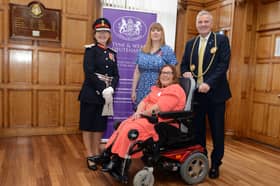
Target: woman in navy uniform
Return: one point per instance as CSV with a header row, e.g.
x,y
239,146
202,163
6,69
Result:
x,y
101,78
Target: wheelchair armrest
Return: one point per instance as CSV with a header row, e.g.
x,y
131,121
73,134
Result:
x,y
175,114
152,119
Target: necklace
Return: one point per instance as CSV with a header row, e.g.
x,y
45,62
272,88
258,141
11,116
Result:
x,y
213,51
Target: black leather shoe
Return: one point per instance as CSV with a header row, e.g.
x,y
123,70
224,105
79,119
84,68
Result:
x,y
106,167
91,164
214,172
114,163
96,158
117,175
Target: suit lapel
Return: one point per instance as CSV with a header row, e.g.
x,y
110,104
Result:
x,y
195,56
207,53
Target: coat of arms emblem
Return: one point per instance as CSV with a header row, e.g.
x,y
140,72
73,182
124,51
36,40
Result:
x,y
36,10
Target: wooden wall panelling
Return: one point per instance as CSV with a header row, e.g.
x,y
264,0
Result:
x,y
266,88
62,68
267,131
20,108
261,77
20,66
71,108
96,8
186,27
236,68
264,46
275,84
76,35
1,89
223,12
35,108
1,65
35,66
214,12
180,35
48,104
192,13
1,26
248,43
248,47
74,68
77,7
249,60
259,117
48,75
268,15
273,122
49,67
225,18
1,109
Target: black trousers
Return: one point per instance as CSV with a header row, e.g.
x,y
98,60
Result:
x,y
166,132
216,116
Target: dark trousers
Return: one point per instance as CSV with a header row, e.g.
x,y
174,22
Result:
x,y
166,134
216,115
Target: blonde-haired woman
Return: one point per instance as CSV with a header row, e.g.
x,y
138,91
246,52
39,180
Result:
x,y
149,61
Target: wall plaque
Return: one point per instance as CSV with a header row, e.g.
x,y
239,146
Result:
x,y
34,21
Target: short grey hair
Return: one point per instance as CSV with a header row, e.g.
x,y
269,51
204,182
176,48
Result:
x,y
204,12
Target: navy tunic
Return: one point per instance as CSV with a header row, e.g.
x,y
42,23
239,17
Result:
x,y
97,59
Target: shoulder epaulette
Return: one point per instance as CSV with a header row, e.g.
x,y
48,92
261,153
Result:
x,y
112,50
89,46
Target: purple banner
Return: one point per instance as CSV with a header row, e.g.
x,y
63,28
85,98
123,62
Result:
x,y
129,32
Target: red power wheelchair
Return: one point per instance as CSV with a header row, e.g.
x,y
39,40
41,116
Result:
x,y
177,153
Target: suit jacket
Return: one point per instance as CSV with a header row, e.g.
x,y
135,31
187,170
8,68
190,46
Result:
x,y
216,76
98,59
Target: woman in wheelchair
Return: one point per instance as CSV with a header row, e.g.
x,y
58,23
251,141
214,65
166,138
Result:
x,y
167,95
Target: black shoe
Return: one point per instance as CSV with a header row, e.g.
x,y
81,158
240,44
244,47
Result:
x,y
114,163
95,159
106,167
117,175
214,172
91,164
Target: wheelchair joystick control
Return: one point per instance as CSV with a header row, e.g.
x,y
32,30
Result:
x,y
133,134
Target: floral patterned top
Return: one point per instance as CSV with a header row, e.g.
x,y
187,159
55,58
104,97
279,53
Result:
x,y
149,66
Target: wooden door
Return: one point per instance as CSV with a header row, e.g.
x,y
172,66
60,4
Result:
x,y
265,121
265,107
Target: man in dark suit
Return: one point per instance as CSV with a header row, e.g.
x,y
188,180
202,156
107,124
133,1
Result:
x,y
206,58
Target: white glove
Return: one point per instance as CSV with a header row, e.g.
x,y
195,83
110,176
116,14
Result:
x,y
107,94
108,98
108,90
108,106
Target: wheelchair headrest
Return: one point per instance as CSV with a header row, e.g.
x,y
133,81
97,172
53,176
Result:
x,y
188,84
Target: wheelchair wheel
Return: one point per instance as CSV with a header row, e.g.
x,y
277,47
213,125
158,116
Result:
x,y
195,168
144,177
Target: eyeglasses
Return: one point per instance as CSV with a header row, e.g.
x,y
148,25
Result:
x,y
166,73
